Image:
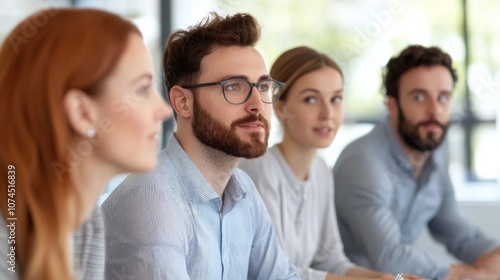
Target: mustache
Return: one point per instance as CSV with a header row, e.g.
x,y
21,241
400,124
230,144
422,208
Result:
x,y
251,118
434,122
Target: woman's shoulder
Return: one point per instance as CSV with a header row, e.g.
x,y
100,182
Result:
x,y
319,166
262,165
90,247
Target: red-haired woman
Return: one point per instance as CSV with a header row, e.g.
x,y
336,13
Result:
x,y
77,106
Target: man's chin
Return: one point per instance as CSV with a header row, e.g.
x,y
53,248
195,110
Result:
x,y
437,132
254,155
431,144
254,150
254,140
434,137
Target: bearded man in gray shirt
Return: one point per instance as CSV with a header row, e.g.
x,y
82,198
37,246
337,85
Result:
x,y
394,181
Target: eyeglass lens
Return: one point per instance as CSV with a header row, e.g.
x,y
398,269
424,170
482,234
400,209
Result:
x,y
238,90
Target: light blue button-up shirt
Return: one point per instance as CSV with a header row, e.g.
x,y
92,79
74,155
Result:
x,y
171,224
382,209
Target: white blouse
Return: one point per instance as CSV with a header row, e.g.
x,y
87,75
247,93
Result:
x,y
303,213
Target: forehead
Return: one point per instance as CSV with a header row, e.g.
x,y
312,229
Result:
x,y
134,61
428,78
225,62
323,77
136,54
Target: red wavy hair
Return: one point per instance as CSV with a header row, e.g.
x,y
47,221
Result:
x,y
46,55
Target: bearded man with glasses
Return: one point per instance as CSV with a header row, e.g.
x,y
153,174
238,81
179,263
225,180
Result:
x,y
197,216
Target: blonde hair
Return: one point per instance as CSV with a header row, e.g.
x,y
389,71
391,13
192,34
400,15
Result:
x,y
297,62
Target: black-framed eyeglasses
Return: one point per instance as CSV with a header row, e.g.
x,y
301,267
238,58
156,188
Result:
x,y
238,91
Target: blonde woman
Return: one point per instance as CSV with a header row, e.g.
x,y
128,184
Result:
x,y
294,182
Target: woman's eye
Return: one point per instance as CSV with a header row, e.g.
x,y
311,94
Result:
x,y
337,99
144,89
310,99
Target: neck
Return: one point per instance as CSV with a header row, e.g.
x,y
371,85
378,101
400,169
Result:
x,y
216,166
416,158
71,251
298,157
90,179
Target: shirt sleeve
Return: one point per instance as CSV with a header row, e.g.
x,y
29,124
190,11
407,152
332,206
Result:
x,y
465,241
140,244
363,198
267,259
307,273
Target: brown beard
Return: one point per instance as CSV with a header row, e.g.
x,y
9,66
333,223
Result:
x,y
213,133
412,138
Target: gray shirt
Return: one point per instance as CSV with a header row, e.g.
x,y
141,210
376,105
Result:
x,y
382,209
303,213
171,224
88,249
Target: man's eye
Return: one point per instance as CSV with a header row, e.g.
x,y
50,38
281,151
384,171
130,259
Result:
x,y
443,99
419,98
263,87
233,87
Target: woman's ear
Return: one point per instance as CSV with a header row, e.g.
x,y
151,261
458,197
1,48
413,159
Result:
x,y
82,112
182,101
278,107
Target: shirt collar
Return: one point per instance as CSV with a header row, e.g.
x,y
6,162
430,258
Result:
x,y
194,183
399,154
233,192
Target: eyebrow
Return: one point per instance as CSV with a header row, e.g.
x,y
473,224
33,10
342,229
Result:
x,y
261,78
421,90
317,91
147,76
418,90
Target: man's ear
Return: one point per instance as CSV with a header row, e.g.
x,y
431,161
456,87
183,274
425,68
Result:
x,y
392,107
182,101
82,112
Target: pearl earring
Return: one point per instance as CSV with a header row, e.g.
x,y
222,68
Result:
x,y
90,133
